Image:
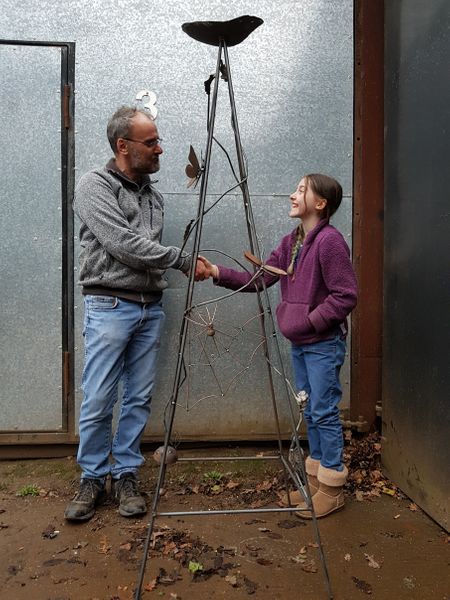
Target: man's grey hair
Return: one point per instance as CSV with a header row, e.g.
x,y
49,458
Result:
x,y
120,123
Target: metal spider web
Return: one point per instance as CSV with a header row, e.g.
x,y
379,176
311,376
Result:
x,y
213,346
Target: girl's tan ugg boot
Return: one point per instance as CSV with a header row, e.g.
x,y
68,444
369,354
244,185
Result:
x,y
330,495
311,468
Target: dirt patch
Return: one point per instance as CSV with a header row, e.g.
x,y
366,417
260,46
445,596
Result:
x,y
378,547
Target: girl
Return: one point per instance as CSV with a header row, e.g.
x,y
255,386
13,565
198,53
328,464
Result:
x,y
317,294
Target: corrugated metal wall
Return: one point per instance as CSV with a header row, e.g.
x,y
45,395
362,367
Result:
x,y
416,416
293,80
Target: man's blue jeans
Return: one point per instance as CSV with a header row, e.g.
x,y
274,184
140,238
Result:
x,y
316,370
122,340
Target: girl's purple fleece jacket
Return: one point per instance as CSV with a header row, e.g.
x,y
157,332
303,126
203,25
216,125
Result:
x,y
317,298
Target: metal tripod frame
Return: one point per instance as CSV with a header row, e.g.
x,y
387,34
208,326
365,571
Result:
x,y
293,464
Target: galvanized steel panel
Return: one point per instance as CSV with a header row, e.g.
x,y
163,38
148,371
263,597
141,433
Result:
x,y
30,233
294,93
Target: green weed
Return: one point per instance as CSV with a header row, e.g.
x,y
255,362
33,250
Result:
x,y
213,476
28,490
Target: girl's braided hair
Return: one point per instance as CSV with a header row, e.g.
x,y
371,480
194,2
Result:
x,y
296,248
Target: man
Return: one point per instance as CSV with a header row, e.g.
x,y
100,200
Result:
x,y
122,263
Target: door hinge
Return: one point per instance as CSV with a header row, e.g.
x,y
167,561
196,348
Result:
x,y
67,92
66,374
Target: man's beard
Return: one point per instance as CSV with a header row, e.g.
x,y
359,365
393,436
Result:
x,y
145,167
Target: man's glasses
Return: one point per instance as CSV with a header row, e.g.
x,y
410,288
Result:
x,y
148,143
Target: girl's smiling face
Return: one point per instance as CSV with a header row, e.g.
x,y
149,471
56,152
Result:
x,y
304,202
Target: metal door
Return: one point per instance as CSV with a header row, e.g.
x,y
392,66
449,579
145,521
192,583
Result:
x,y
36,233
416,383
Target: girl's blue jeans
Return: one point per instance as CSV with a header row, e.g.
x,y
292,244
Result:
x,y
316,371
122,340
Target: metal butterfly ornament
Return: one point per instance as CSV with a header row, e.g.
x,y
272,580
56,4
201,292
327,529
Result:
x,y
193,170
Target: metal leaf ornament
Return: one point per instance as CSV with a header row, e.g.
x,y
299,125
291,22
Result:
x,y
193,169
266,268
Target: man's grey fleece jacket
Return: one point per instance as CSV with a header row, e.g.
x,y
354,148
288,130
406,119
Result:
x,y
120,234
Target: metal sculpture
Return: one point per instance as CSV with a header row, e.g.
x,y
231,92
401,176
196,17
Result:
x,y
201,324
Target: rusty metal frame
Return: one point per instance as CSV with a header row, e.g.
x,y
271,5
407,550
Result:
x,y
368,208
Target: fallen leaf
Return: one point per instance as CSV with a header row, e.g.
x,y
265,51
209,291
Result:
x,y
396,516
230,550
164,578
359,496
372,562
392,534
250,586
126,546
348,557
388,491
232,580
232,484
52,562
309,567
50,532
264,486
259,503
413,507
253,521
103,547
289,523
300,558
362,585
14,569
356,476
155,536
376,475
149,587
169,547
409,582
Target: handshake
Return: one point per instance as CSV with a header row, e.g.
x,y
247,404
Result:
x,y
204,269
